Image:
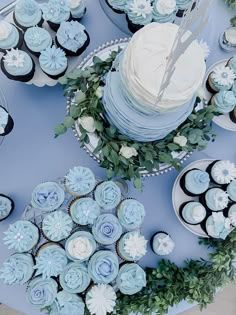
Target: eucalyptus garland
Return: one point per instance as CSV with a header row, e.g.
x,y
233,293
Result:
x,y
231,3
120,155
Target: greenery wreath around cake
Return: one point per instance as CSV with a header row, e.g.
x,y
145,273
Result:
x,y
118,154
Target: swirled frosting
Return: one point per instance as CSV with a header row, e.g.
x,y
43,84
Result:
x,y
216,199
21,236
17,269
75,278
53,60
80,180
224,101
50,261
118,4
80,246
67,303
139,11
183,4
132,246
197,181
107,229
223,172
4,117
131,214
41,293
163,244
84,210
193,212
131,279
231,190
56,11
6,205
27,13
37,39
107,195
17,62
48,196
9,35
57,226
218,226
232,215
164,11
103,267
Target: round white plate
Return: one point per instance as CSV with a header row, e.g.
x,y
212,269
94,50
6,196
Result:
x,y
179,197
223,121
103,53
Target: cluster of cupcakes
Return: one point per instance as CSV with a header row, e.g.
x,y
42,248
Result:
x,y
214,204
29,37
222,84
142,12
84,250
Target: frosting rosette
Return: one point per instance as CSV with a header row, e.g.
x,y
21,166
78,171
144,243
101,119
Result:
x,y
132,246
56,11
107,229
37,39
48,196
9,35
216,199
17,269
75,278
231,190
163,244
225,101
197,181
218,226
108,195
139,11
222,77
193,212
131,214
223,172
103,267
84,210
164,11
53,61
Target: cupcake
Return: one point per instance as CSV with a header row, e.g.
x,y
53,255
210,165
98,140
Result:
x,y
77,9
232,64
232,215
101,299
27,14
192,212
221,78
118,6
80,181
6,206
107,229
84,210
108,195
217,225
232,115
72,38
55,12
75,278
37,39
182,6
231,190
224,101
227,39
41,293
222,172
131,214
6,122
103,267
21,236
10,36
138,14
164,11
48,196
57,226
80,246
162,244
18,65
53,62
132,246
215,199
17,269
131,279
195,182
50,260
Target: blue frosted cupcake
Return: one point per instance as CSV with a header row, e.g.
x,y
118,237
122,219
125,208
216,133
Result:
x,y
103,267
221,78
6,122
193,212
37,39
21,236
108,195
10,36
215,199
75,278
17,65
195,182
131,279
217,225
131,214
107,229
231,190
118,6
41,293
232,64
17,269
77,9
164,11
80,181
222,172
47,197
162,244
80,246
6,206
84,210
182,6
232,215
224,101
27,14
138,13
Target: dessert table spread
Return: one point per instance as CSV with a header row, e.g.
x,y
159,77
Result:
x,y
30,154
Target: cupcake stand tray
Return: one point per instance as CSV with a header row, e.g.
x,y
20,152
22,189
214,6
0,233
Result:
x,y
103,52
223,121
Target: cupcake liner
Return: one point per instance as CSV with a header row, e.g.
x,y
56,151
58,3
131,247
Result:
x,y
12,204
133,27
210,87
232,116
55,77
208,170
21,78
79,51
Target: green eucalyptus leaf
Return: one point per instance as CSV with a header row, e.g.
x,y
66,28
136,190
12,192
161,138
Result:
x,y
69,122
74,111
98,126
60,130
138,183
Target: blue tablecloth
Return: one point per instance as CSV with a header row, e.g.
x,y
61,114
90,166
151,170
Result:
x,y
30,154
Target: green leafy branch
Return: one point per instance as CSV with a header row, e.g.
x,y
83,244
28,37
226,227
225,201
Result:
x,y
231,3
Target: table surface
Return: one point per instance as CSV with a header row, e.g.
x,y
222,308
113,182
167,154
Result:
x,y
31,155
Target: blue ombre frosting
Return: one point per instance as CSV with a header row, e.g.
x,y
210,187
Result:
x,y
163,13
216,199
131,279
17,62
41,293
17,269
28,13
137,18
194,212
197,181
103,267
50,261
108,195
56,11
131,214
107,229
80,180
231,190
9,35
77,8
5,204
75,278
84,210
118,4
224,101
37,39
21,236
67,304
183,4
53,60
